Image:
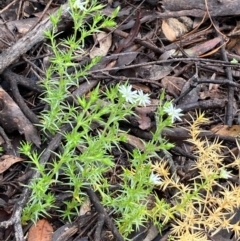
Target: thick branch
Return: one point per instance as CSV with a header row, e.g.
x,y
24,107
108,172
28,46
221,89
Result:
x,y
31,38
198,8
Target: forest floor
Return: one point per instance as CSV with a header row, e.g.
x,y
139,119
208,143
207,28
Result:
x,y
188,52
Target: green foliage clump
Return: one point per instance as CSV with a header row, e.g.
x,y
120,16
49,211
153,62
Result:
x,y
85,155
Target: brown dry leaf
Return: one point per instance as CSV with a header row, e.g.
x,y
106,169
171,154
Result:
x,y
213,92
143,120
85,207
173,85
225,130
105,41
167,54
22,26
127,42
12,118
174,28
235,31
126,59
213,87
154,72
27,9
41,231
192,96
139,86
236,48
134,141
231,43
200,49
49,12
7,160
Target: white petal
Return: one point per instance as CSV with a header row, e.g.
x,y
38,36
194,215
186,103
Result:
x,y
173,112
80,4
225,174
155,179
143,99
128,94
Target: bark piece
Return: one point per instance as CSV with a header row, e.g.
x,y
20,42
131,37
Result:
x,y
6,36
12,118
198,8
65,232
30,39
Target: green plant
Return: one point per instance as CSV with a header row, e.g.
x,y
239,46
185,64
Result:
x,y
86,150
86,157
234,61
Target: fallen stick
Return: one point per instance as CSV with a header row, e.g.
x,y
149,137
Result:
x,y
24,44
198,8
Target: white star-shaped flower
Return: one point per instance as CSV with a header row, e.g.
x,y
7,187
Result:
x,y
225,174
127,93
80,4
173,112
155,179
142,99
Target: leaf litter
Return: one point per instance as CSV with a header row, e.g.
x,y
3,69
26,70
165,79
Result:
x,y
166,60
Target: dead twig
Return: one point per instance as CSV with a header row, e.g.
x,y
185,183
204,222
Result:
x,y
100,209
18,98
200,60
42,15
8,6
229,114
32,38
